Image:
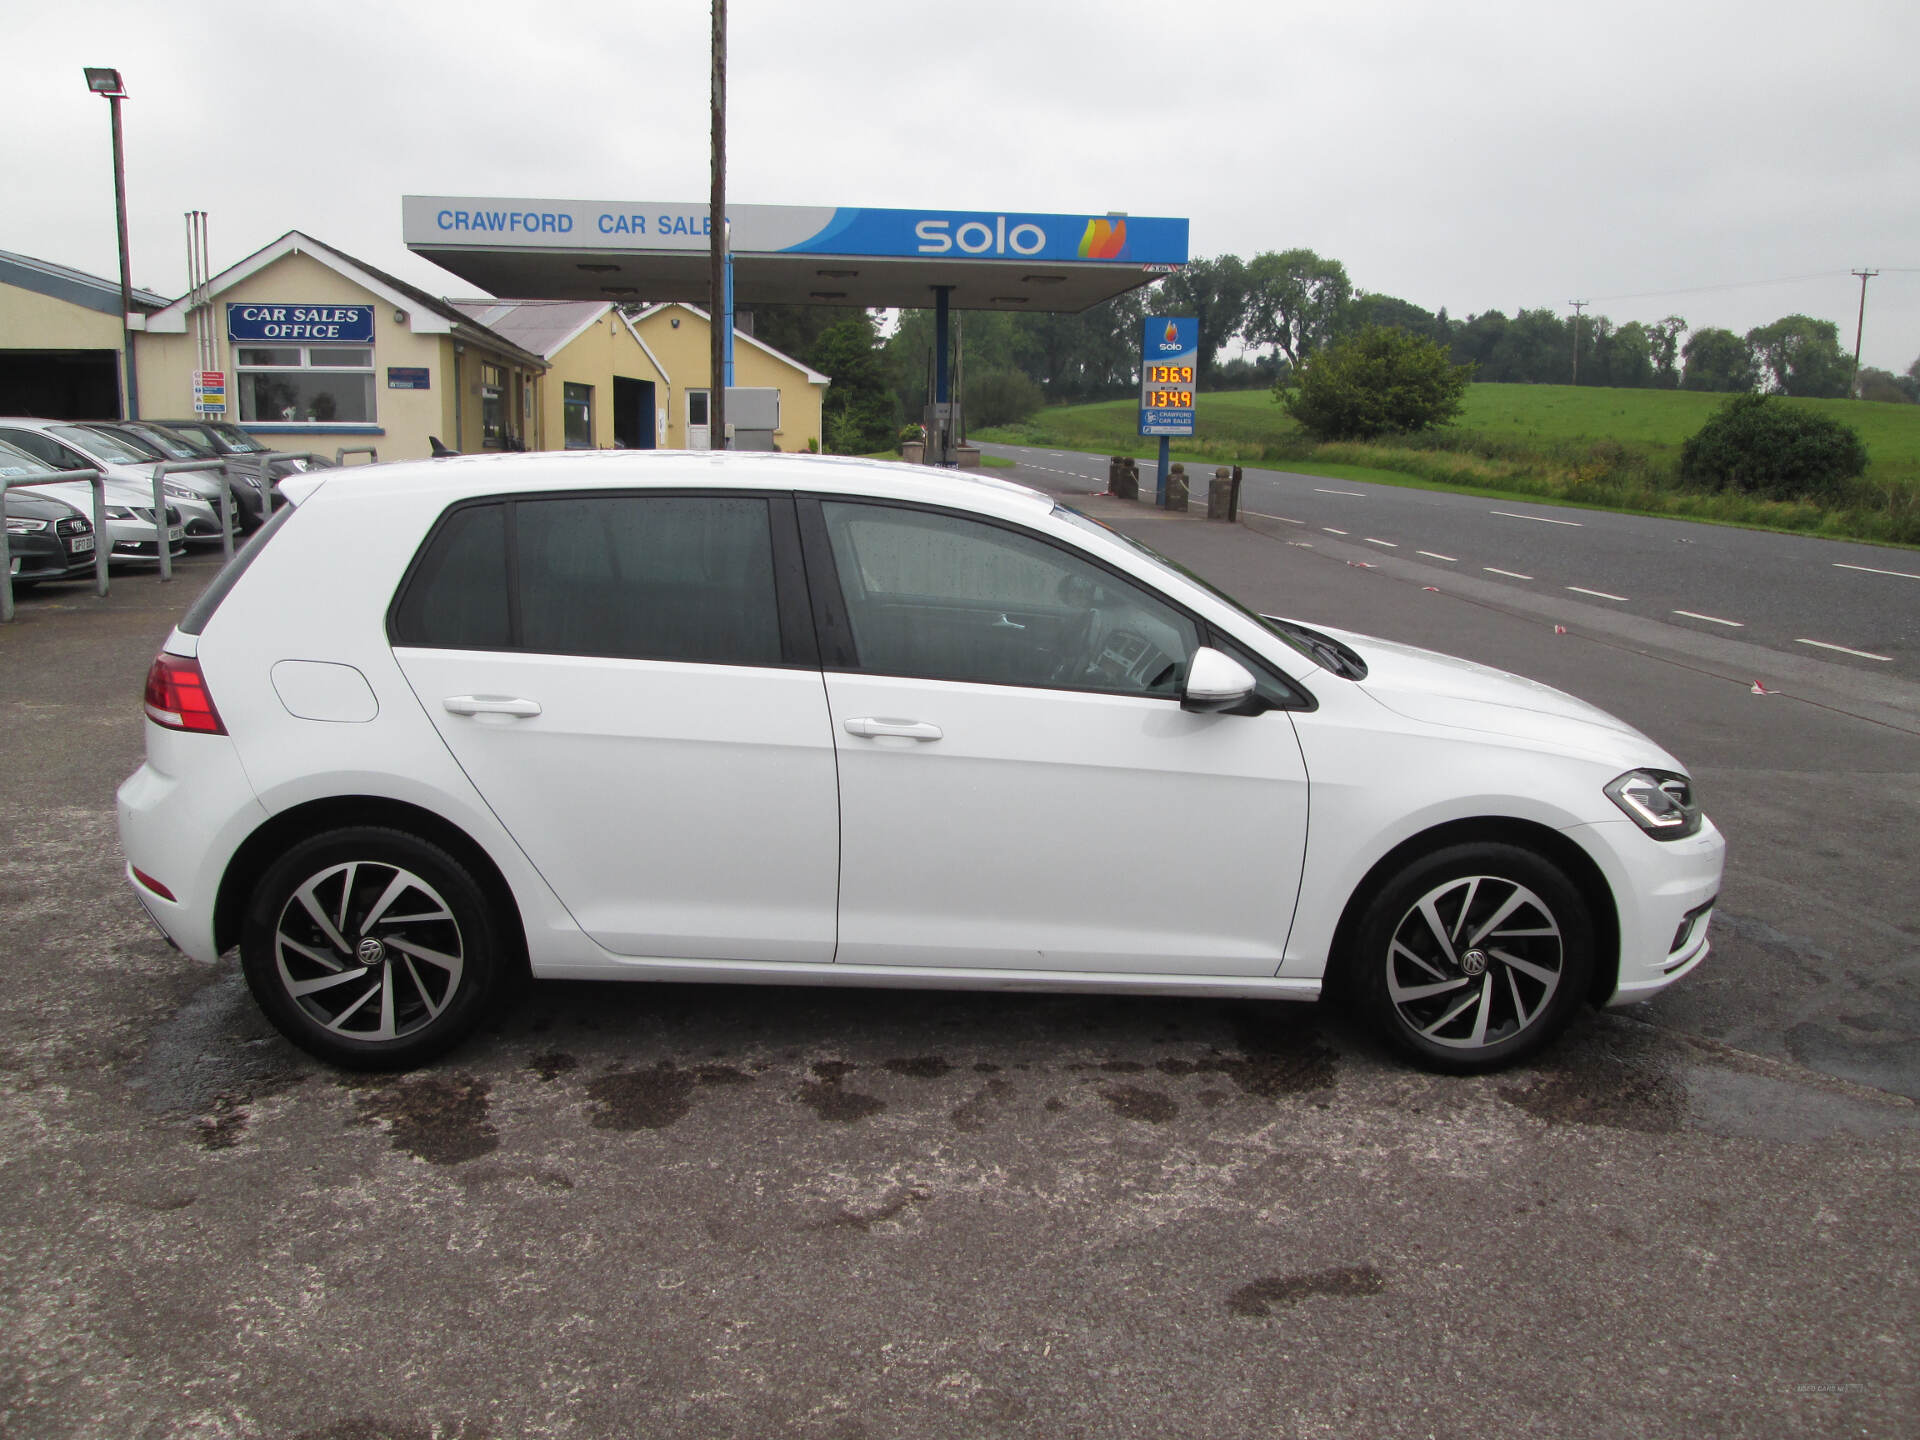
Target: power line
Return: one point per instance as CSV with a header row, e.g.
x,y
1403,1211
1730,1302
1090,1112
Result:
x,y
1730,285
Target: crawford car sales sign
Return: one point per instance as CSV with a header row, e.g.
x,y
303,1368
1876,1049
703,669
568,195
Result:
x,y
348,324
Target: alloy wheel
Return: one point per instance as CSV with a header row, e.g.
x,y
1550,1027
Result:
x,y
1474,962
369,950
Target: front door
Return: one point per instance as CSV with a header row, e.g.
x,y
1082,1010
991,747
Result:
x,y
1019,787
699,431
647,720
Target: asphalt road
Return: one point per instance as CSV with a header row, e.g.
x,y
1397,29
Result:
x,y
1852,604
704,1211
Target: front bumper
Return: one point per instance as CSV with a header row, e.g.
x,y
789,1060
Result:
x,y
1664,892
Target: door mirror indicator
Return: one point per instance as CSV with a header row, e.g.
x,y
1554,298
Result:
x,y
1215,682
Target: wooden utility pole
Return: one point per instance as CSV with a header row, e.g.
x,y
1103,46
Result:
x,y
1578,306
1859,328
717,238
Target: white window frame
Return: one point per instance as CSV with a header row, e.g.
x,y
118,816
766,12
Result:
x,y
242,371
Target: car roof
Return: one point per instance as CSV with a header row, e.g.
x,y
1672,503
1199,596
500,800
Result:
x,y
467,476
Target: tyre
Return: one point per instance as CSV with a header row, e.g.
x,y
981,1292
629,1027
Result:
x,y
371,949
1473,957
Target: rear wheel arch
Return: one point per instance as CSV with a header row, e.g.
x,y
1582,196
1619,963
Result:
x,y
1550,844
287,829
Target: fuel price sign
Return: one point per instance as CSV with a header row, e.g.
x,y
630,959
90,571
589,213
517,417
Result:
x,y
1169,368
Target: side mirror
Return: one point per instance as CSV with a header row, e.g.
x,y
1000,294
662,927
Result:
x,y
1215,682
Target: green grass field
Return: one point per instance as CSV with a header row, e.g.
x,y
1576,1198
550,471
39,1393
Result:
x,y
1614,449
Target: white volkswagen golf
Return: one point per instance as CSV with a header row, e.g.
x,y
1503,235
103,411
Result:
x,y
790,720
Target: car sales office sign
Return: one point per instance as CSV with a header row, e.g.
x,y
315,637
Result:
x,y
301,324
1169,361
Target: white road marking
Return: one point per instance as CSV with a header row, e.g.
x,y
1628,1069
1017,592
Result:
x,y
1511,515
1582,590
1390,544
1318,491
1331,531
1869,570
1436,555
1712,619
1264,516
1846,650
1510,574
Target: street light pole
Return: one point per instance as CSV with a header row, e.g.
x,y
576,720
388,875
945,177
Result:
x,y
106,82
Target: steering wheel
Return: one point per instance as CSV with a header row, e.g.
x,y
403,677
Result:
x,y
1079,646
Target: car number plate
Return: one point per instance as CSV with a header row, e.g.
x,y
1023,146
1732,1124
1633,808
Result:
x,y
81,545
176,532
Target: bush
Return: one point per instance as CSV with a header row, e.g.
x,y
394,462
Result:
x,y
1001,397
1765,447
1377,382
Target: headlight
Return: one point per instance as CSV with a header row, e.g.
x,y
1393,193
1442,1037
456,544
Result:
x,y
20,525
1658,801
180,492
119,512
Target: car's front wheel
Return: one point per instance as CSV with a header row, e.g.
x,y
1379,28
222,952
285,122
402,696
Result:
x,y
1474,956
370,948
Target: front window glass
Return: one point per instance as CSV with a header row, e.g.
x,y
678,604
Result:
x,y
649,577
305,384
948,598
577,408
102,446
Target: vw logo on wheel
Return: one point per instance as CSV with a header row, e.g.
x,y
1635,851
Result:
x,y
1474,962
370,951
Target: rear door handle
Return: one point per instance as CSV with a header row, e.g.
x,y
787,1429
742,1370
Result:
x,y
491,705
905,729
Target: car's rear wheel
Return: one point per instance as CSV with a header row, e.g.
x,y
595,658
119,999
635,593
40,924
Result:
x,y
1474,956
370,948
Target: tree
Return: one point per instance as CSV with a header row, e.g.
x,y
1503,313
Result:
x,y
1296,301
1719,360
1626,361
1887,387
1664,342
792,329
1767,447
1377,381
1802,355
1213,292
1370,307
857,412
1000,397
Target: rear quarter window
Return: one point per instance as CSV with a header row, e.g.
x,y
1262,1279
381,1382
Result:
x,y
455,598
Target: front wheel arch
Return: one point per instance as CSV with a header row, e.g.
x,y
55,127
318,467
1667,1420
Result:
x,y
283,831
1578,866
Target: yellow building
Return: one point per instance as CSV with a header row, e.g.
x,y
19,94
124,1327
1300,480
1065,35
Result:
x,y
640,381
321,351
60,337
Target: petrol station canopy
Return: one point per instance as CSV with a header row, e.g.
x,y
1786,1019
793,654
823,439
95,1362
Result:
x,y
792,254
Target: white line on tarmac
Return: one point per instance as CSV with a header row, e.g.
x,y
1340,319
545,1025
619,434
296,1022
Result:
x,y
1436,555
1582,590
1331,531
1846,650
1869,570
1541,518
1390,544
1261,514
1712,619
1318,491
1510,574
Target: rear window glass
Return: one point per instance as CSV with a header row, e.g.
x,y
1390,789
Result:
x,y
456,598
201,611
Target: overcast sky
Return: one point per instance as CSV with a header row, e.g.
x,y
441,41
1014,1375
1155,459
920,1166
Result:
x,y
1729,162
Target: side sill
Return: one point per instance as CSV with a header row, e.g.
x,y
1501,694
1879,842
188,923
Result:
x,y
920,977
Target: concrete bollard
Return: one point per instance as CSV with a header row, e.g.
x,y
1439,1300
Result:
x,y
1220,495
1177,487
1123,480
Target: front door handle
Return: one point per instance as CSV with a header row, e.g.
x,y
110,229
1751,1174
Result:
x,y
491,705
905,729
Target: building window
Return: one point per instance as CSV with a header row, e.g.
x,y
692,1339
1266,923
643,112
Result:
x,y
576,403
493,407
305,384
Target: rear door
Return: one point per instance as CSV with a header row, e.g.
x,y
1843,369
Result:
x,y
630,681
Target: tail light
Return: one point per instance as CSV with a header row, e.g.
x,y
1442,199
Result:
x,y
177,696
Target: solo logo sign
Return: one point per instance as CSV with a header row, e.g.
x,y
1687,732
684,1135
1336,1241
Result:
x,y
976,237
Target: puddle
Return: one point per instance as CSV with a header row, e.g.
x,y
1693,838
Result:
x,y
1132,1102
641,1099
829,1099
976,1113
920,1067
1262,1296
441,1119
